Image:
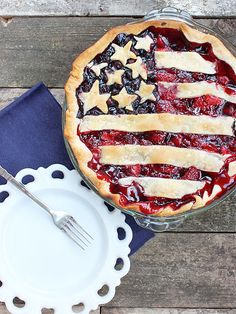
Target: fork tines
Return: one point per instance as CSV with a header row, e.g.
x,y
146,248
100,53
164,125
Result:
x,y
77,233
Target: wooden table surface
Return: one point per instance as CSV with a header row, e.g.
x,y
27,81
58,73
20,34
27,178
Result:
x,y
191,270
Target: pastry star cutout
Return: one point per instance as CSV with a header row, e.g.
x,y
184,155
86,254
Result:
x,y
94,99
124,99
97,67
115,77
137,68
123,53
143,42
146,92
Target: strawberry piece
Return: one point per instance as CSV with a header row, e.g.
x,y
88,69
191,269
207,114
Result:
x,y
168,93
162,42
207,101
224,80
185,77
199,102
106,136
195,141
135,170
165,77
212,100
230,91
145,142
192,174
177,140
157,138
230,109
224,150
165,106
168,169
199,76
110,136
210,148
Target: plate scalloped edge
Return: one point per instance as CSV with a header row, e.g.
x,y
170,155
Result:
x,y
108,275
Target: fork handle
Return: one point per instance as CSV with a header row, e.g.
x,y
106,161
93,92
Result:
x,y
6,175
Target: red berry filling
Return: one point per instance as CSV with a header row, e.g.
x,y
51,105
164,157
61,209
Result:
x,y
211,143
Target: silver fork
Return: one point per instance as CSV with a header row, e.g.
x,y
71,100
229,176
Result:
x,y
61,219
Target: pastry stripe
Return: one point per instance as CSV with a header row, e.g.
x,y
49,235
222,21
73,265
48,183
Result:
x,y
159,122
187,61
161,154
162,187
197,89
232,169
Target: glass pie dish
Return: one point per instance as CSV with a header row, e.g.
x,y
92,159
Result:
x,y
150,221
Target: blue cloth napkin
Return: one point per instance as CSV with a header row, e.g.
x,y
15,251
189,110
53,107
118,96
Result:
x,y
31,137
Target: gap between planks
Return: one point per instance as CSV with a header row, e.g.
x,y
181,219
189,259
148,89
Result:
x,y
109,310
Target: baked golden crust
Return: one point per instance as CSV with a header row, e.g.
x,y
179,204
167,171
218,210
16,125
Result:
x,y
196,89
185,60
161,154
80,150
167,122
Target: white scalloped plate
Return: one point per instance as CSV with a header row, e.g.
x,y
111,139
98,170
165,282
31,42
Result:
x,y
40,265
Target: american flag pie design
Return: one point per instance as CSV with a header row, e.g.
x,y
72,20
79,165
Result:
x,y
151,117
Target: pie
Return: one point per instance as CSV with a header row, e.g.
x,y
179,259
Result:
x,y
151,117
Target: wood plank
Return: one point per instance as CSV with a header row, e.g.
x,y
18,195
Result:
x,y
109,7
222,218
181,271
109,310
42,49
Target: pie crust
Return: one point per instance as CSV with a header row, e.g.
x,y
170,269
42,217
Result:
x,y
187,61
162,187
196,89
167,122
158,154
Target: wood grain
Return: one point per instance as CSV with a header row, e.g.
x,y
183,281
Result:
x,y
107,310
42,49
181,270
118,7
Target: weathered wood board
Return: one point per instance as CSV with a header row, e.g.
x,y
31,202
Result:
x,y
42,49
181,270
107,310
